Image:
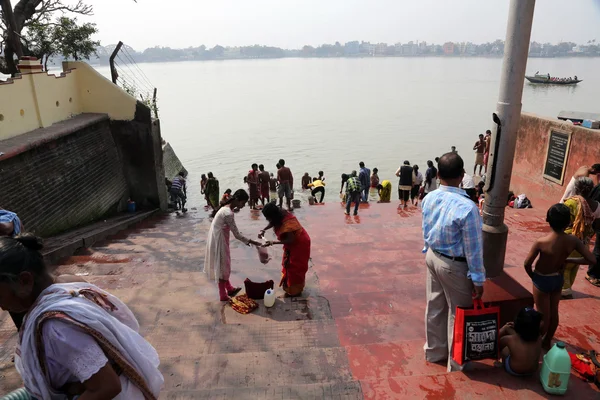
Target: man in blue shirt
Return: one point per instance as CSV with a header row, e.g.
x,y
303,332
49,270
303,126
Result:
x,y
364,176
452,230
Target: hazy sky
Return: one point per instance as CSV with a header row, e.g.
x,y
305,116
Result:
x,y
294,23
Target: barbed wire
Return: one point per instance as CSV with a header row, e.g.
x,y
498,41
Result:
x,y
130,57
133,80
123,67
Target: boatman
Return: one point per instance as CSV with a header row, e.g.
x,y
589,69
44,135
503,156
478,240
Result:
x,y
452,231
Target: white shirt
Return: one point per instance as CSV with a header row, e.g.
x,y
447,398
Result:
x,y
468,182
569,191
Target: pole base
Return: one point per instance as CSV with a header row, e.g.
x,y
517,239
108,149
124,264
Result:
x,y
494,249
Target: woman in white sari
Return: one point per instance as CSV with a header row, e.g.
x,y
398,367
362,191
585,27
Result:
x,y
217,260
77,341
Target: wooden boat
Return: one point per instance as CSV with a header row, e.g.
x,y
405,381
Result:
x,y
543,79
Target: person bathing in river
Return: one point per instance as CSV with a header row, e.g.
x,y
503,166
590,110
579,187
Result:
x,y
375,178
264,180
365,181
286,184
296,248
317,186
76,340
217,261
486,154
405,173
417,181
203,180
305,181
253,186
551,252
321,176
479,148
385,191
225,198
212,192
431,183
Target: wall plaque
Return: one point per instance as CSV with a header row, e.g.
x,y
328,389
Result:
x,y
556,156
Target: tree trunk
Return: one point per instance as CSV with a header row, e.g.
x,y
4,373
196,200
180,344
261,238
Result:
x,y
9,58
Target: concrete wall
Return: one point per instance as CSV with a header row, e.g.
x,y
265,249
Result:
x,y
99,95
139,144
77,147
38,100
530,156
69,180
173,165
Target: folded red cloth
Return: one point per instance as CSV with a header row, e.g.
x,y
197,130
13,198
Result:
x,y
583,366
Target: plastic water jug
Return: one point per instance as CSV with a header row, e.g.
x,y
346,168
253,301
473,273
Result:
x,y
269,298
556,370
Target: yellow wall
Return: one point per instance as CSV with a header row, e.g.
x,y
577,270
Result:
x,y
18,112
39,100
53,94
100,95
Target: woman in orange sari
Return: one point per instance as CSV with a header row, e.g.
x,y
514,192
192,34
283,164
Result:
x,y
584,212
296,247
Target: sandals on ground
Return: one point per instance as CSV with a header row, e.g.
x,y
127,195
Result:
x,y
593,281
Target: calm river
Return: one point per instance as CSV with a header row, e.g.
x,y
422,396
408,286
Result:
x,y
329,114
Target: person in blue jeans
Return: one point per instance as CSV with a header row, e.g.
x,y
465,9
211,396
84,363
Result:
x,y
364,177
353,193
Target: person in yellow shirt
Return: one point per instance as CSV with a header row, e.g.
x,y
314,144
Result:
x,y
317,186
385,191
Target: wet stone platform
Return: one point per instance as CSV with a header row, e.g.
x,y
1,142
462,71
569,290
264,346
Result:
x,y
357,332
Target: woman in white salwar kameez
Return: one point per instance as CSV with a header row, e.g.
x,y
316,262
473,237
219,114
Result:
x,y
76,341
217,261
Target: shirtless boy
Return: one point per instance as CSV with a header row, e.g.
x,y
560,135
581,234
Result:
x,y
553,251
521,343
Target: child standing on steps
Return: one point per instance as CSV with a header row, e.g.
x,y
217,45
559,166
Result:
x,y
217,261
553,251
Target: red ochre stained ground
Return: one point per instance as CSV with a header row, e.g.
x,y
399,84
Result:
x,y
357,332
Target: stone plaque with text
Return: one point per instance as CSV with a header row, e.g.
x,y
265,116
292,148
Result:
x,y
556,156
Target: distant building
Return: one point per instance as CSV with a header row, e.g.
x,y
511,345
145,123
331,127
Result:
x,y
470,49
352,48
398,48
381,48
412,49
448,48
367,48
406,49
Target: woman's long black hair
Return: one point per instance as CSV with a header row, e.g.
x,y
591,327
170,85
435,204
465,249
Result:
x,y
21,254
273,214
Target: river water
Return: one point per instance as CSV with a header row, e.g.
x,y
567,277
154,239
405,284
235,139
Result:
x,y
329,114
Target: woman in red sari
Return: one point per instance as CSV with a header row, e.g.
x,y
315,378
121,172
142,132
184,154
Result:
x,y
296,247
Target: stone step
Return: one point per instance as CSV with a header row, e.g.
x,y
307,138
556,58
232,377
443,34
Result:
x,y
254,369
343,390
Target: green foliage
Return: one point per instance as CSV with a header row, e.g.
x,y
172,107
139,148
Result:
x,y
63,37
73,40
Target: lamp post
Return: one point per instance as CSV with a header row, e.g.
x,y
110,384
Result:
x,y
502,147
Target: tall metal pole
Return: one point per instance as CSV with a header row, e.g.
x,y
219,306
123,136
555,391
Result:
x,y
502,149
